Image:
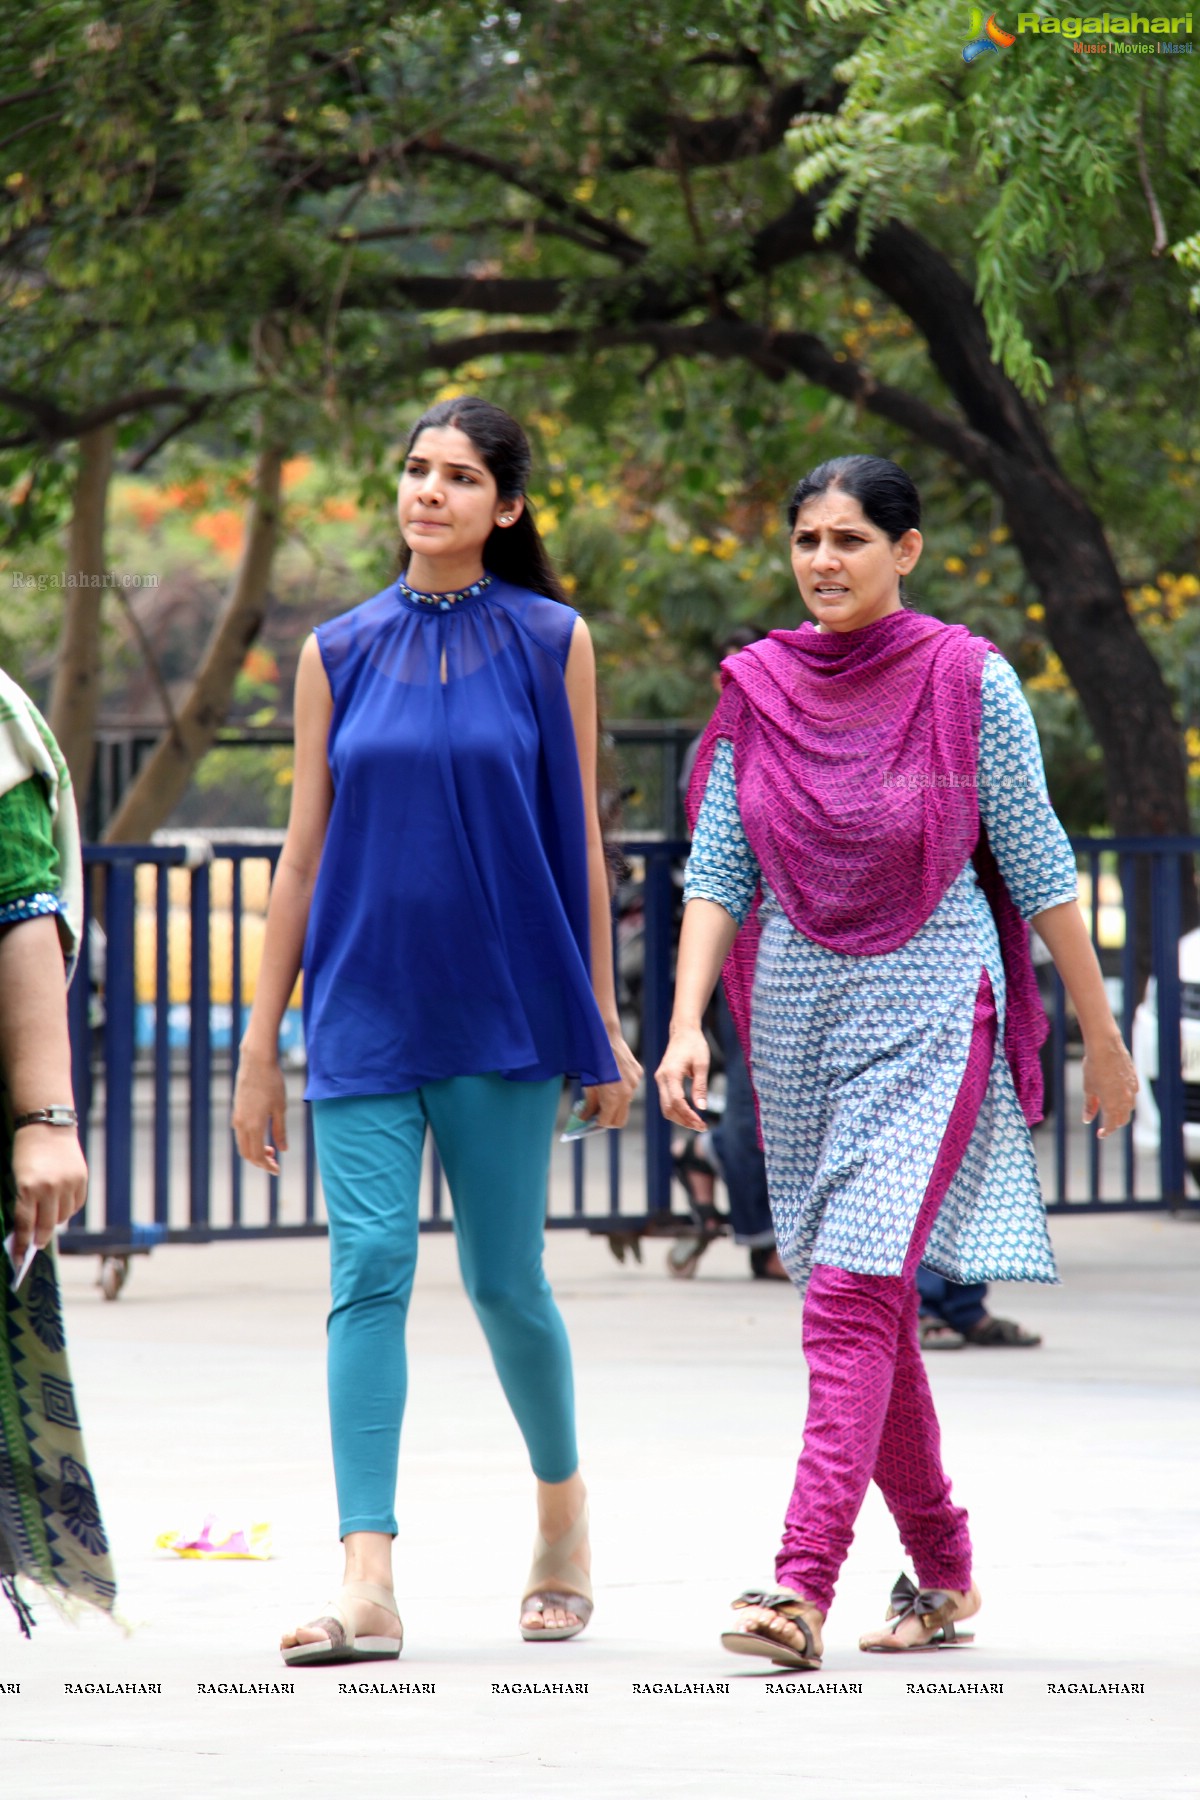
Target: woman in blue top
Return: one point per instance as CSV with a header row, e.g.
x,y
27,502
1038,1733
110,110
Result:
x,y
444,884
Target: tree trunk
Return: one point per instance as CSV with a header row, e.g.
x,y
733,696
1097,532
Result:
x,y
1059,538
163,780
1119,683
75,694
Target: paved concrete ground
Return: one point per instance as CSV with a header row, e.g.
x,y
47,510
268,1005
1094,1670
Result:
x,y
202,1389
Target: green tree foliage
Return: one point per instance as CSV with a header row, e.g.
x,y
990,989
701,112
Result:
x,y
710,243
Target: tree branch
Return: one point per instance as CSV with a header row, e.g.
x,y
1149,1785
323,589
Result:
x,y
1160,231
728,137
775,353
618,242
137,461
51,425
377,234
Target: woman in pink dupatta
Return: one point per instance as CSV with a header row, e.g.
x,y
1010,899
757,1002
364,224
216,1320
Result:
x,y
872,838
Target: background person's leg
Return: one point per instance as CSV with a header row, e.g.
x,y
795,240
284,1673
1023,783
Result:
x,y
736,1143
960,1304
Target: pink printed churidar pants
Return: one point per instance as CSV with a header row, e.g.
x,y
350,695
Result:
x,y
870,1411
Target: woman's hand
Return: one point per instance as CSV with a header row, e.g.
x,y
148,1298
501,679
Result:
x,y
1109,1083
687,1058
260,1110
609,1101
50,1177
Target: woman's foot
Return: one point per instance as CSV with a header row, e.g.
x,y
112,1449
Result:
x,y
919,1618
562,1562
364,1609
360,1625
779,1625
366,1619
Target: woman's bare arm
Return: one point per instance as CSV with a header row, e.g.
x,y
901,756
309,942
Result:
x,y
612,1098
1109,1080
49,1172
704,943
259,1101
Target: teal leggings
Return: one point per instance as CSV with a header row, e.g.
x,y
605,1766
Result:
x,y
493,1137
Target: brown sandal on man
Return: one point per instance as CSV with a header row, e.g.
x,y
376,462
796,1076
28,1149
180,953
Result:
x,y
760,1641
1001,1334
935,1608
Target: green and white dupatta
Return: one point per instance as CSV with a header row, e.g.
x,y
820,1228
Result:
x,y
50,1526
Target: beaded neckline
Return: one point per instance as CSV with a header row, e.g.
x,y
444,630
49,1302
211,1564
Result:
x,y
443,602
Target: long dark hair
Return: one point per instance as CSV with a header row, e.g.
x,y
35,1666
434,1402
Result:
x,y
515,552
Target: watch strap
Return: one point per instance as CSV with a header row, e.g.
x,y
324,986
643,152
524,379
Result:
x,y
47,1115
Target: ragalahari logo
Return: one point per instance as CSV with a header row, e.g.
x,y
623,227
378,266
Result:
x,y
986,37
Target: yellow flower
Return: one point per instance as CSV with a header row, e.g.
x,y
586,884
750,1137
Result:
x,y
977,549
862,309
575,483
1053,678
982,577
700,546
726,546
547,521
1187,587
585,190
954,565
1000,535
556,486
570,582
1036,612
628,565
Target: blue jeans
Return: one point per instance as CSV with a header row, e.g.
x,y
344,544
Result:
x,y
735,1141
957,1304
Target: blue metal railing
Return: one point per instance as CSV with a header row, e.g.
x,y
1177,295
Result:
x,y
154,1076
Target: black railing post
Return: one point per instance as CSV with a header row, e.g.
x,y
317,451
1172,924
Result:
x,y
118,1050
162,1045
200,1059
1167,922
79,1000
656,1019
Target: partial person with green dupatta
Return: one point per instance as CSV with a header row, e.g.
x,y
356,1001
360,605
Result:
x,y
51,1531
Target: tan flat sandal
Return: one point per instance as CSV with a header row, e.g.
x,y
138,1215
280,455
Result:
x,y
340,1645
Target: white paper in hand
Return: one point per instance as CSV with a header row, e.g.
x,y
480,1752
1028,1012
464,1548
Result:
x,y
18,1274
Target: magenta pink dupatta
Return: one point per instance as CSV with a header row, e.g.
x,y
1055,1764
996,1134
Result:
x,y
855,755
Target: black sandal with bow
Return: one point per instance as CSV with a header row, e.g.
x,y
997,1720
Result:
x,y
936,1610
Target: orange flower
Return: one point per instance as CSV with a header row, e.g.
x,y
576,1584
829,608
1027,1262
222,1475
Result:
x,y
225,530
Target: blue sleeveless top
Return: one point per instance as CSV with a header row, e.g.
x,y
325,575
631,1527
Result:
x,y
449,927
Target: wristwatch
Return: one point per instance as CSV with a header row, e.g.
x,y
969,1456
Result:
x,y
47,1115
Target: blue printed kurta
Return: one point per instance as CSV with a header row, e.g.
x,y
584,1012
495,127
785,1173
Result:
x,y
857,1060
